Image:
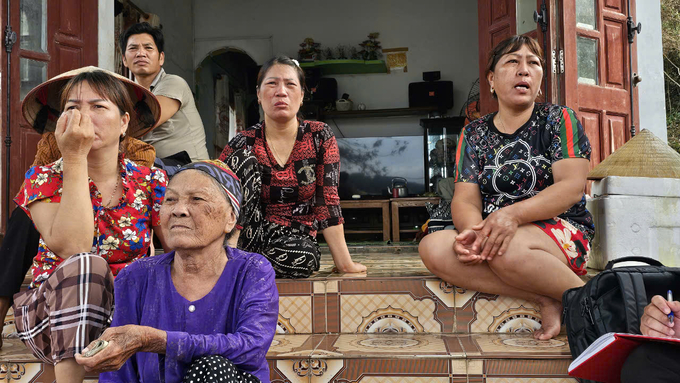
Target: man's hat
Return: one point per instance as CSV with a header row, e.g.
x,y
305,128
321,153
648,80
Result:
x,y
41,106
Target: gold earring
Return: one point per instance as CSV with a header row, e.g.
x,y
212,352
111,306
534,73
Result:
x,y
492,90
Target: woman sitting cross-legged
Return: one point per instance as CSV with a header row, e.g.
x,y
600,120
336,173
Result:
x,y
519,208
206,312
290,169
91,191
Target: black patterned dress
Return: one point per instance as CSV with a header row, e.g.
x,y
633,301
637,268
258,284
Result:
x,y
285,206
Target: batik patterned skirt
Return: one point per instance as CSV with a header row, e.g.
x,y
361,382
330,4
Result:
x,y
292,252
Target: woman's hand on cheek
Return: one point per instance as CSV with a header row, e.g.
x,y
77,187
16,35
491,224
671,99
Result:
x,y
498,229
124,342
74,134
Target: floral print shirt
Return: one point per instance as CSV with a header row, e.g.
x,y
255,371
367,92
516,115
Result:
x,y
122,234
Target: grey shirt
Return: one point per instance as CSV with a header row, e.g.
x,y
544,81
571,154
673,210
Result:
x,y
184,130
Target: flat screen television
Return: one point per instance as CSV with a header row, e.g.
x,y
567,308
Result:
x,y
368,165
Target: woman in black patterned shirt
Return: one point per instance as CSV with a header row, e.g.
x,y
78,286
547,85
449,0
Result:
x,y
519,204
289,169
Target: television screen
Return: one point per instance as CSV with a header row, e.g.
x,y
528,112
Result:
x,y
368,165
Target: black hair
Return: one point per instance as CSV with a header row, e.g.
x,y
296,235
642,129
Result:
x,y
282,60
138,29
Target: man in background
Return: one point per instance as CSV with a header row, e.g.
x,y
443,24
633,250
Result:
x,y
180,127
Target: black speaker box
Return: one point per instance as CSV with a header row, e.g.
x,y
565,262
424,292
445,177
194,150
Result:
x,y
432,76
431,94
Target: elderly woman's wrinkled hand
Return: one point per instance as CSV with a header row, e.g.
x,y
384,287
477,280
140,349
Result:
x,y
74,134
467,247
497,229
124,342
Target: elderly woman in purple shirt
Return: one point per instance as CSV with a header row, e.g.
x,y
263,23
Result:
x,y
204,312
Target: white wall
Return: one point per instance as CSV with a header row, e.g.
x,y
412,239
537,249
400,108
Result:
x,y
650,67
177,20
106,45
440,35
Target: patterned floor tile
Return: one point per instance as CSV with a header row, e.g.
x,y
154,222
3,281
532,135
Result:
x,y
480,312
397,305
350,346
410,370
293,346
295,315
527,368
514,346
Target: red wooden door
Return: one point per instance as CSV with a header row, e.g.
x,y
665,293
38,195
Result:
x,y
498,19
53,36
597,71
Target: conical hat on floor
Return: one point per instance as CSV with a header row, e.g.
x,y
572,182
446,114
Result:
x,y
645,155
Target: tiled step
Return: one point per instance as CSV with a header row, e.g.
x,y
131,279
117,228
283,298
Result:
x,y
372,358
369,358
398,294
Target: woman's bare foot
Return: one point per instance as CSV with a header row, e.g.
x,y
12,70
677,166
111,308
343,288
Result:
x,y
354,267
551,313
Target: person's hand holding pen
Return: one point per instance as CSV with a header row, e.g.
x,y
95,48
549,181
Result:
x,y
656,319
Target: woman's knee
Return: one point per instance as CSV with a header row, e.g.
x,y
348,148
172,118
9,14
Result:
x,y
84,268
436,247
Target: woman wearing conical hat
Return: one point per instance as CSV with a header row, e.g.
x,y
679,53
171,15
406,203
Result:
x,y
94,210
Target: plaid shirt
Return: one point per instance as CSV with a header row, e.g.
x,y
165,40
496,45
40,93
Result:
x,y
302,194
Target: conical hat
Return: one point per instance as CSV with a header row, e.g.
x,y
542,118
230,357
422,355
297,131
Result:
x,y
44,99
645,155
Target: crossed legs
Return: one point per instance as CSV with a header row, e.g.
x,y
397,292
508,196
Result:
x,y
533,268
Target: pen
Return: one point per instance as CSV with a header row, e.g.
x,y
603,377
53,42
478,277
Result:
x,y
669,297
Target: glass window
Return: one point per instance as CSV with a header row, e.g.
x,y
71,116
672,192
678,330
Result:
x,y
585,14
33,73
587,53
525,16
33,31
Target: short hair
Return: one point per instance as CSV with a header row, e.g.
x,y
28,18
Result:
x,y
105,86
138,29
281,60
513,44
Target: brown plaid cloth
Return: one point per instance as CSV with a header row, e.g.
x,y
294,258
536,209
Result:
x,y
68,311
137,151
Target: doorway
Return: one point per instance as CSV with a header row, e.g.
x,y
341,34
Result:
x,y
226,98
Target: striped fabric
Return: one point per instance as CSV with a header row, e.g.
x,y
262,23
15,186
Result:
x,y
569,134
67,312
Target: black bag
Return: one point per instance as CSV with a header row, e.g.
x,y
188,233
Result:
x,y
614,300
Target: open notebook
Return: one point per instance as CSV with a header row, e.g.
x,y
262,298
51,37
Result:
x,y
603,359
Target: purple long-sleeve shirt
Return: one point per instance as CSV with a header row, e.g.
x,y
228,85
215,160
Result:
x,y
236,320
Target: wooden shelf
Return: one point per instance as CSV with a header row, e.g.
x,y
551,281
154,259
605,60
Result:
x,y
395,112
331,67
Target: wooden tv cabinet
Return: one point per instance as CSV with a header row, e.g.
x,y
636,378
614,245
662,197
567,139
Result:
x,y
383,204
